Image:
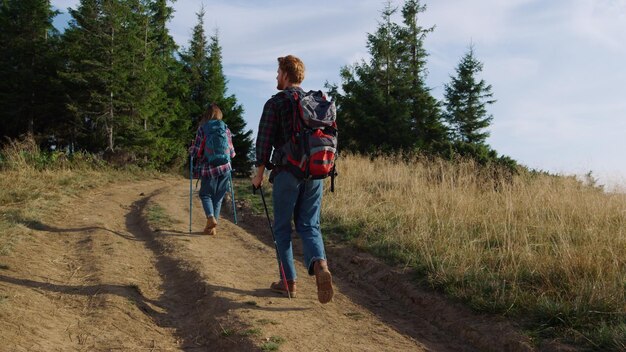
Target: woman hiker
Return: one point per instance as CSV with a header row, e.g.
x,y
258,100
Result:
x,y
213,165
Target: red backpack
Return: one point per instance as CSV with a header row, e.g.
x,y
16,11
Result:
x,y
311,150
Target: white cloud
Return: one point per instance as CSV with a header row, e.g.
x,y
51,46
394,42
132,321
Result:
x,y
486,22
251,73
602,21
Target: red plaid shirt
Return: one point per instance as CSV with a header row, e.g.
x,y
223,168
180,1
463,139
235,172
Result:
x,y
201,167
274,126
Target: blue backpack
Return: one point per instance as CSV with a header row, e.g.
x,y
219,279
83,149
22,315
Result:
x,y
215,145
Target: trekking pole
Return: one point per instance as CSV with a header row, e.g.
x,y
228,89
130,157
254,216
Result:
x,y
232,195
190,189
280,263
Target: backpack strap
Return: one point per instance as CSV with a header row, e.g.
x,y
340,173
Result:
x,y
333,173
201,149
293,95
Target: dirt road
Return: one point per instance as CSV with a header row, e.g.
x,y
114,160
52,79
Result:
x,y
100,276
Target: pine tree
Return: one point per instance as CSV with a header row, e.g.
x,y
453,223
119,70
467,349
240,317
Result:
x,y
29,86
215,70
466,100
143,95
173,125
158,132
385,104
428,128
233,112
120,80
203,65
374,115
159,34
196,68
97,72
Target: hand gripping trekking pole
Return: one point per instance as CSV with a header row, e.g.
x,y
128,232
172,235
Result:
x,y
190,189
280,262
232,195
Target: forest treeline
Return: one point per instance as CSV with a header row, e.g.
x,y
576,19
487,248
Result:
x,y
386,106
114,82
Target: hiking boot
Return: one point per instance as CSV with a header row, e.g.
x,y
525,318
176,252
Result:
x,y
209,229
279,287
324,281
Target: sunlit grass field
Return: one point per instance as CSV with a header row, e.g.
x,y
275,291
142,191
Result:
x,y
543,249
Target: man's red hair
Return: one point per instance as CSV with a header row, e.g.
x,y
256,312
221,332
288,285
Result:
x,y
293,67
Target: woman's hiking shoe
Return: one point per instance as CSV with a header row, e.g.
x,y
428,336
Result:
x,y
279,287
324,281
209,229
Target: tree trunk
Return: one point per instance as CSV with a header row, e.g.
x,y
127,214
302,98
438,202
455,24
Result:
x,y
145,59
109,126
31,112
110,145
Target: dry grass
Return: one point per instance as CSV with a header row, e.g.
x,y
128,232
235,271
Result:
x,y
543,248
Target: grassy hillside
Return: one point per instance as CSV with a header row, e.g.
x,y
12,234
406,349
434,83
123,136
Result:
x,y
544,249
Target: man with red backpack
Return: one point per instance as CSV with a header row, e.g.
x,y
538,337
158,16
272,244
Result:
x,y
296,140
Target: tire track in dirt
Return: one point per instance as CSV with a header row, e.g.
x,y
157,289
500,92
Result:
x,y
193,309
81,282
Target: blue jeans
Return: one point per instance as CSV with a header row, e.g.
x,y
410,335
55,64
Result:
x,y
302,201
212,191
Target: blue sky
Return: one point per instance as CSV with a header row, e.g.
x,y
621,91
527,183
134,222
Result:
x,y
556,67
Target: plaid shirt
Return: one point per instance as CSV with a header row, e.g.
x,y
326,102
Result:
x,y
201,167
274,126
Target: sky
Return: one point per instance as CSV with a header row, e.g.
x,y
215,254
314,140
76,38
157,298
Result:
x,y
556,67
